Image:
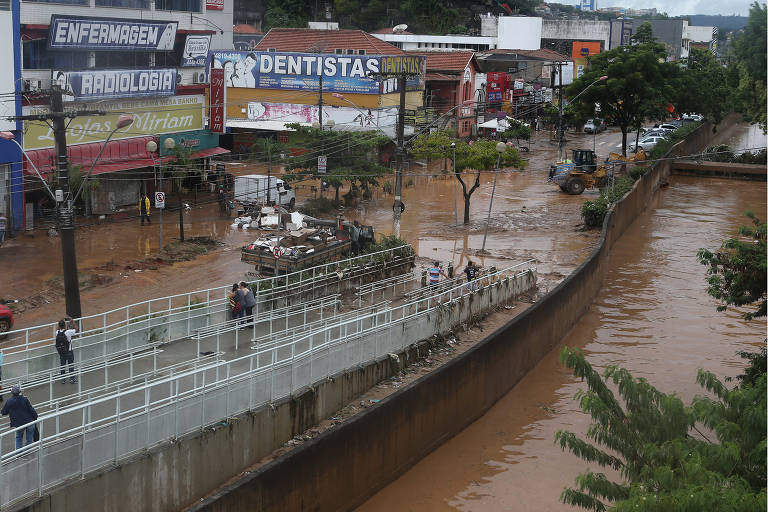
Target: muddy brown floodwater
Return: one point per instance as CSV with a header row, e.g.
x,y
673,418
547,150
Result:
x,y
653,317
531,219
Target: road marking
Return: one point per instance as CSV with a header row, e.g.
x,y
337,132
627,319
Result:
x,y
601,143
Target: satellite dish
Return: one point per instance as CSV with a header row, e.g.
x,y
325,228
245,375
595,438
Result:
x,y
400,28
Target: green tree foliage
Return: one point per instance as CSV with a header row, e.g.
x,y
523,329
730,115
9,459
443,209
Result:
x,y
736,274
708,455
706,85
643,34
352,157
750,49
479,156
287,13
639,85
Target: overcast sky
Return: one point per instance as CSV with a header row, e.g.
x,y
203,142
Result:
x,y
680,7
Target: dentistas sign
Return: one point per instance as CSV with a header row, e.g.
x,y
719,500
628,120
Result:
x,y
116,83
88,33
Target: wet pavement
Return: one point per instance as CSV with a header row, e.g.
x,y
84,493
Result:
x,y
653,317
531,219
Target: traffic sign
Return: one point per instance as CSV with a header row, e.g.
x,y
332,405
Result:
x,y
159,199
278,252
322,162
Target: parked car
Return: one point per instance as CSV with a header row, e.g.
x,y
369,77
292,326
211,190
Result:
x,y
693,117
646,143
666,126
6,320
595,125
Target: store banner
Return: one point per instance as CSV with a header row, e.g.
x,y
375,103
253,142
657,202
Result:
x,y
344,118
214,5
218,105
116,83
88,33
156,116
195,51
302,71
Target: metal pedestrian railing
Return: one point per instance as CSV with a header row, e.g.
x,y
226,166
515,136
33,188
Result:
x,y
90,435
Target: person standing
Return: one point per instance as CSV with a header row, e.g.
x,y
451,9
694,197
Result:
x,y
67,329
354,235
434,273
471,270
249,301
235,297
144,209
21,412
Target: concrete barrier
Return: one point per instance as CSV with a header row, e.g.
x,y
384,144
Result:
x,y
346,465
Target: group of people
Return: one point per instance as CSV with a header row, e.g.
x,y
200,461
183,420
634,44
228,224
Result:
x,y
471,270
241,302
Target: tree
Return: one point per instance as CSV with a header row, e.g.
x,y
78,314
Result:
x,y
660,446
351,156
639,85
750,49
736,273
643,34
480,156
180,170
705,86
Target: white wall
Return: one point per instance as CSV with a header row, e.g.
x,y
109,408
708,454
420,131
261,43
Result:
x,y
578,30
519,33
7,102
698,34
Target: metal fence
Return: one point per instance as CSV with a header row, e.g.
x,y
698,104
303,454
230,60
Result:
x,y
87,436
174,317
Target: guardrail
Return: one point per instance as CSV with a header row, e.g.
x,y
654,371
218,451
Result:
x,y
174,317
85,437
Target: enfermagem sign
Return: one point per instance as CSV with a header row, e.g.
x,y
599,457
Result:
x,y
86,33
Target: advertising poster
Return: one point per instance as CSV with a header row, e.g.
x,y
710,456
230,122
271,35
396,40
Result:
x,y
218,106
155,116
301,71
195,51
87,33
115,83
344,118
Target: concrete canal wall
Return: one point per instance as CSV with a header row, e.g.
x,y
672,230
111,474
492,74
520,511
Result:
x,y
344,466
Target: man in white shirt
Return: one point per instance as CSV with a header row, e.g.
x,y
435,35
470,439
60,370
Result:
x,y
67,329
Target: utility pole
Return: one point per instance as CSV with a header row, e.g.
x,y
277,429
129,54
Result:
x,y
560,111
397,207
320,103
66,215
269,167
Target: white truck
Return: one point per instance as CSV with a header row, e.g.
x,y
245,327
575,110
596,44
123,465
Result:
x,y
262,189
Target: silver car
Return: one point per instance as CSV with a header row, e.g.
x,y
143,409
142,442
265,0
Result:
x,y
646,143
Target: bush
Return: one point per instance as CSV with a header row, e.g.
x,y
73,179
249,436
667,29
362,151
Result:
x,y
594,211
315,207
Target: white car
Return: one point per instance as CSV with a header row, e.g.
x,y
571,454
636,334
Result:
x,y
646,143
693,117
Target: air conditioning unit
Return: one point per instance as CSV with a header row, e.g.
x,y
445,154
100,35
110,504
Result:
x,y
199,77
32,85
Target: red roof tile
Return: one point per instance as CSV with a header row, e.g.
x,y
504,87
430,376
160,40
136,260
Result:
x,y
455,61
542,53
246,29
325,41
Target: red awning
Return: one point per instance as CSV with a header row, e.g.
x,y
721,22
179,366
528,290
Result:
x,y
119,155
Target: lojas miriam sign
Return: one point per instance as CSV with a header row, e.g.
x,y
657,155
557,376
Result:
x,y
116,83
86,33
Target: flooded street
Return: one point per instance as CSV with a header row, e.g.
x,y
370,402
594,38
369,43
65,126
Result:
x,y
653,317
531,219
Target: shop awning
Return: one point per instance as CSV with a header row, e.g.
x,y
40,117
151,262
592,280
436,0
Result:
x,y
118,155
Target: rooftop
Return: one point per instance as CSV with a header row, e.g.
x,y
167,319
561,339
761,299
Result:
x,y
455,61
325,41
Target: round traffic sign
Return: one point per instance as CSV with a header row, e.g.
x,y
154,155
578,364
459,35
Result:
x,y
278,252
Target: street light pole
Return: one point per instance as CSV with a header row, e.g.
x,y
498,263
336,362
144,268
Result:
x,y
397,207
455,200
500,148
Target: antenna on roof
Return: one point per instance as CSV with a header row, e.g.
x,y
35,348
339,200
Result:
x,y
399,28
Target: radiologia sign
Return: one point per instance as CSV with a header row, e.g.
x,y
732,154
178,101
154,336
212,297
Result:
x,y
88,33
115,83
302,71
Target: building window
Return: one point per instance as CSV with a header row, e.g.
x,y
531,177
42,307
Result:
x,y
35,55
271,49
121,60
69,2
134,4
5,5
339,51
178,5
361,52
350,52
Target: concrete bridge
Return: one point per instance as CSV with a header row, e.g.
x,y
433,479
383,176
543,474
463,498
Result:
x,y
720,169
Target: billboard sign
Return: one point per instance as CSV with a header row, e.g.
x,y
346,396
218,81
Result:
x,y
345,118
195,51
155,116
218,98
214,5
88,33
116,83
302,71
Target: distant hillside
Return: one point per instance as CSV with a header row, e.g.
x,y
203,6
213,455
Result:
x,y
722,22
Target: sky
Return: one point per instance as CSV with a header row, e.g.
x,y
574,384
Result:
x,y
680,7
